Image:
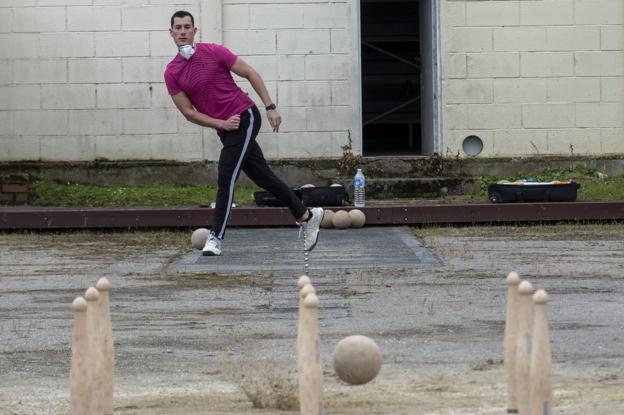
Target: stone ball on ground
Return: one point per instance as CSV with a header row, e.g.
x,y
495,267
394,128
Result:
x,y
357,359
341,219
328,216
358,218
199,237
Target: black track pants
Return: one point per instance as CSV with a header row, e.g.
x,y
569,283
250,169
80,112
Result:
x,y
241,152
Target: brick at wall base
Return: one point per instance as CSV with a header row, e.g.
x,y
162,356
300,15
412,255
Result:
x,y
14,189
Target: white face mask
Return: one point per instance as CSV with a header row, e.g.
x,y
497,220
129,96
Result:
x,y
186,51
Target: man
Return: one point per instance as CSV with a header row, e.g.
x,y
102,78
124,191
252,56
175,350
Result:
x,y
200,83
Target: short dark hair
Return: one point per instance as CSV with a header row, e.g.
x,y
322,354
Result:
x,y
182,13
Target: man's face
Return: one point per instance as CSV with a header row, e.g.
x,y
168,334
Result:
x,y
183,31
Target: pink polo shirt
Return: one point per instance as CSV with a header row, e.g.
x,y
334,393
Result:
x,y
207,81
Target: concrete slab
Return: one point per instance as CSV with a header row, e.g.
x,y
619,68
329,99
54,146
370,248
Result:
x,y
278,250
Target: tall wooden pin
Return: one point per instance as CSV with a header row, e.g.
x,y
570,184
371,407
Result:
x,y
523,347
511,336
311,370
79,372
540,368
94,354
304,290
106,338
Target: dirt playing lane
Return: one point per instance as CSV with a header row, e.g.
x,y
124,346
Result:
x,y
205,343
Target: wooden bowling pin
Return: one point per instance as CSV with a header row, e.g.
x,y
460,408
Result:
x,y
511,335
106,338
78,375
540,371
523,347
311,373
94,354
303,293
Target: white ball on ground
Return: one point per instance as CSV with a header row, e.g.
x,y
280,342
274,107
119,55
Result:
x,y
357,359
336,185
341,219
307,185
199,237
327,219
358,218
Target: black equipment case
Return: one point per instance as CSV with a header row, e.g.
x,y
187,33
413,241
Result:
x,y
267,199
532,192
324,196
310,196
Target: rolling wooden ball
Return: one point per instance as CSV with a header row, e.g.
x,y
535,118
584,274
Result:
x,y
357,359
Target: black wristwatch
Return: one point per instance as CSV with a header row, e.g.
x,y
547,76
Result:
x,y
270,107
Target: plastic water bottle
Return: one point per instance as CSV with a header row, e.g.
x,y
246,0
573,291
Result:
x,y
359,182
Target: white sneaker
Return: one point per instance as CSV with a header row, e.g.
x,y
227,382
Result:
x,y
212,247
310,228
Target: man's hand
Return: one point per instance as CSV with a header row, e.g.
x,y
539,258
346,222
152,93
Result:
x,y
274,119
231,123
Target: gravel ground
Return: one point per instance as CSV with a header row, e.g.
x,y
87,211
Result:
x,y
209,343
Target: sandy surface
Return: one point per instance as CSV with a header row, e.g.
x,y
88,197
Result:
x,y
205,343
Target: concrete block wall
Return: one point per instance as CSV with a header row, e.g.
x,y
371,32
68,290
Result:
x,y
533,77
303,50
83,79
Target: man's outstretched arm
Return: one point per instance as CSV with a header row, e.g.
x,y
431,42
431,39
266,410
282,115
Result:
x,y
184,105
242,69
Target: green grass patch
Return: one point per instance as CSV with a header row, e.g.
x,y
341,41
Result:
x,y
63,194
51,193
608,189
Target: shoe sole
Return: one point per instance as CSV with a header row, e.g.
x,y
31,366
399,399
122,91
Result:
x,y
209,253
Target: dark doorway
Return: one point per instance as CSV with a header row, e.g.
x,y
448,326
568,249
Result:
x,y
391,71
